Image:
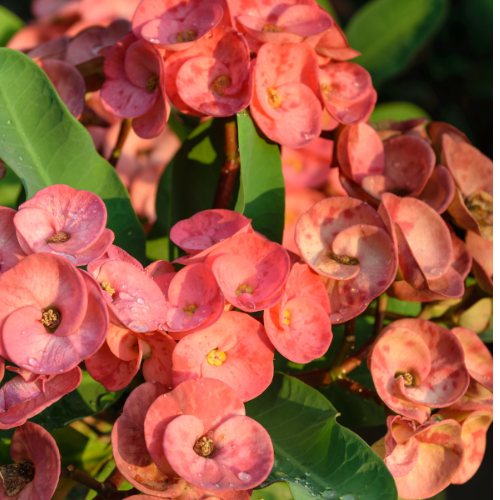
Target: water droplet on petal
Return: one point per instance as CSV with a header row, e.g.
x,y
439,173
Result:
x,y
244,476
33,361
334,318
179,412
140,300
139,327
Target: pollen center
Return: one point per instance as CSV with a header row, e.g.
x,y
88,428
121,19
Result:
x,y
106,286
16,476
407,377
326,89
216,357
51,318
59,237
189,310
152,83
273,97
345,259
272,28
220,83
204,447
186,36
286,317
244,289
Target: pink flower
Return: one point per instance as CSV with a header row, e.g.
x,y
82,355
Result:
x,y
27,394
135,86
229,450
286,103
194,300
334,45
37,461
299,325
64,221
345,241
426,250
417,365
177,25
116,363
307,167
10,251
347,92
250,270
235,350
213,77
423,459
56,309
206,228
482,253
279,21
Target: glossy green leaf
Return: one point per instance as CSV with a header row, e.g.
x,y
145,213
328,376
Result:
x,y
390,33
88,399
45,145
10,189
9,24
262,188
313,453
398,111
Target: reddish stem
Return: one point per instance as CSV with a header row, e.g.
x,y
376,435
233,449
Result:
x,y
120,142
230,170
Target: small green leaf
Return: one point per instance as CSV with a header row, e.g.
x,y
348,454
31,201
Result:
x,y
45,145
262,188
398,111
390,33
9,25
87,399
313,453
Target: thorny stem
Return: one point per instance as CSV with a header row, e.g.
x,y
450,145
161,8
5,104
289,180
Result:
x,y
107,490
345,347
122,137
358,390
380,313
231,167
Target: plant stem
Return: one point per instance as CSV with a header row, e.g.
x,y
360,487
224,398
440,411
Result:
x,y
230,170
107,490
120,142
358,390
345,347
380,314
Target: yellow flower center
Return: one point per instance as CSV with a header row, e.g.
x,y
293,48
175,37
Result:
x,y
286,317
204,447
220,83
51,318
327,90
59,237
273,98
244,289
271,28
216,357
106,286
152,83
189,310
186,36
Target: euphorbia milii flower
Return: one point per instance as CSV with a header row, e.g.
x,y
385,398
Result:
x,y
286,103
347,92
250,270
194,300
115,364
417,365
279,21
135,301
27,394
206,228
57,310
129,446
135,86
299,325
334,45
211,446
309,166
423,459
35,473
345,241
479,363
235,350
177,25
64,221
213,77
474,428
425,247
10,250
482,253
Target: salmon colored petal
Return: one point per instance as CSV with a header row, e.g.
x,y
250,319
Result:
x,y
20,400
243,453
437,130
439,191
461,214
248,355
122,342
152,122
482,253
10,250
157,366
192,397
477,397
32,443
376,185
360,152
334,44
112,372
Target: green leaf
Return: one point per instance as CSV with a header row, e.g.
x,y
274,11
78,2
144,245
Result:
x,y
313,453
277,491
398,111
45,145
390,33
88,399
262,188
327,5
406,308
10,189
9,24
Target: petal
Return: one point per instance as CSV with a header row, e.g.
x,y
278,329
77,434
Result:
x,y
439,191
152,123
122,98
10,250
158,367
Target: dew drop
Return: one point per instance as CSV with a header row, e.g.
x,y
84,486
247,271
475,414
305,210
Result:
x,y
140,300
276,462
342,312
179,412
21,158
308,473
33,361
328,494
129,467
244,476
125,296
388,261
139,327
334,318
8,122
